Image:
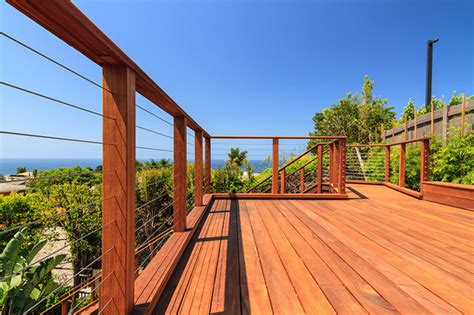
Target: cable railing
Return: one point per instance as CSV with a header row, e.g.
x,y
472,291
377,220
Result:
x,y
399,165
93,222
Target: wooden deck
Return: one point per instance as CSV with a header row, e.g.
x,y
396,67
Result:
x,y
379,252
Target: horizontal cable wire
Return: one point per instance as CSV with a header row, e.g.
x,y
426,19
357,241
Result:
x,y
51,137
160,212
151,252
150,239
79,303
53,215
38,178
153,114
54,252
155,132
148,202
154,149
54,61
56,100
68,280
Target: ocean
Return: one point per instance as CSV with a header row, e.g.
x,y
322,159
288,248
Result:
x,y
9,166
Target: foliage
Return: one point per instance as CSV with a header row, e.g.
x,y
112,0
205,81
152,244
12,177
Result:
x,y
20,170
230,177
357,116
455,162
26,288
17,209
438,103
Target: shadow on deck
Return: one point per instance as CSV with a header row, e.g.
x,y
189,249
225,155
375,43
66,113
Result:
x,y
380,251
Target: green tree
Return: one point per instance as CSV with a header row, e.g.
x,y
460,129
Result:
x,y
357,116
237,157
22,290
20,170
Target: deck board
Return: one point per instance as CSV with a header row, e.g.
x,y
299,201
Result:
x,y
380,252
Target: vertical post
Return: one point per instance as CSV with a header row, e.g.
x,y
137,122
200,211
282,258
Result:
x,y
382,133
387,163
393,131
429,68
64,307
406,128
283,181
463,114
415,123
331,160
198,168
335,163
425,161
302,188
444,126
207,165
179,182
320,170
401,170
275,167
432,120
118,190
342,167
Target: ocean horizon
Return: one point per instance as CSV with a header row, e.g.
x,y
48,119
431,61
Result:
x,y
8,166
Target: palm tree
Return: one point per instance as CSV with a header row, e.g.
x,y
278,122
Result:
x,y
237,158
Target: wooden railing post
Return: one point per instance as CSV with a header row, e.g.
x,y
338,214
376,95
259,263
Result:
x,y
425,161
118,190
341,181
335,163
319,179
179,182
207,165
401,169
387,163
463,114
198,168
302,179
283,181
331,160
275,160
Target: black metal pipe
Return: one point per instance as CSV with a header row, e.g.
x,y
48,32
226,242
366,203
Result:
x,y
429,71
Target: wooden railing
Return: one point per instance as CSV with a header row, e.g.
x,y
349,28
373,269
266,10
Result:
x,y
336,168
122,79
378,168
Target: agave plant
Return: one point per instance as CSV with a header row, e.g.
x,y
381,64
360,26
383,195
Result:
x,y
22,285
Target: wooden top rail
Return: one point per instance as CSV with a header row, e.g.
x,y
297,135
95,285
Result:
x,y
66,21
388,144
277,137
409,141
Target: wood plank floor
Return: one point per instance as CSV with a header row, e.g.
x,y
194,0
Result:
x,y
379,252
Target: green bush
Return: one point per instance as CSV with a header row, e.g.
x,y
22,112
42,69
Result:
x,y
455,162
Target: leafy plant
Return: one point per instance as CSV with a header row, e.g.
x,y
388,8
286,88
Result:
x,y
455,162
22,289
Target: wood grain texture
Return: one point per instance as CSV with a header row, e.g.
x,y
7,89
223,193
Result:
x,y
402,165
198,168
380,252
207,165
118,189
275,170
180,174
456,195
319,178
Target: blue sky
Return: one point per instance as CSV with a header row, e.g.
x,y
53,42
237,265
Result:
x,y
237,67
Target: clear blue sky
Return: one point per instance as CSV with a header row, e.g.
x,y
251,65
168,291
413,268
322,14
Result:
x,y
237,67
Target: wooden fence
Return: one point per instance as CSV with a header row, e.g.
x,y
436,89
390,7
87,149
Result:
x,y
437,124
